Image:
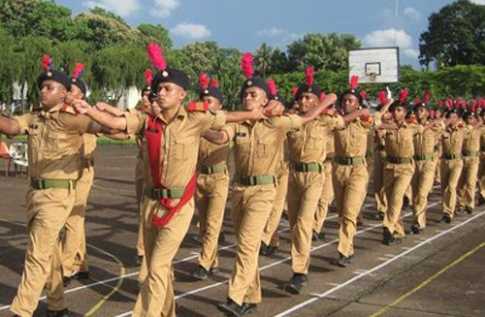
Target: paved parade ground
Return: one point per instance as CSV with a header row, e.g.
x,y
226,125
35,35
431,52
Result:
x,y
440,272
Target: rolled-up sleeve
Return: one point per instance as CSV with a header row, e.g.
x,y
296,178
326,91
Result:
x,y
24,121
135,121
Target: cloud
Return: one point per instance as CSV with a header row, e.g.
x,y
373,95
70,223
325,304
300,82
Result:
x,y
412,13
480,2
392,37
278,36
272,32
191,31
123,8
164,8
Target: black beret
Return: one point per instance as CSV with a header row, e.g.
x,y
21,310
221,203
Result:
x,y
170,75
397,104
80,84
304,88
212,92
255,82
55,75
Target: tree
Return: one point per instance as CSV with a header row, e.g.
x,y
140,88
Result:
x,y
36,18
323,51
455,36
155,33
262,59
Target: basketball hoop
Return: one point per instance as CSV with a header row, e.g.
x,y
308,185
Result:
x,y
372,77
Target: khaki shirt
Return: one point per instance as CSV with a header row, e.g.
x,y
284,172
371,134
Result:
x,y
89,146
471,139
181,142
55,143
400,142
452,140
482,139
351,138
308,143
427,139
258,146
212,154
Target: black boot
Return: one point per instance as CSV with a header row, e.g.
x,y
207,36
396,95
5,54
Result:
x,y
297,282
200,273
321,236
231,308
343,261
388,238
469,210
415,229
314,236
446,219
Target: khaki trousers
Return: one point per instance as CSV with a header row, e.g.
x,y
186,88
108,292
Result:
x,y
450,176
379,190
47,212
139,184
270,233
326,197
468,182
156,297
306,190
251,208
74,243
350,183
210,200
422,183
397,178
481,176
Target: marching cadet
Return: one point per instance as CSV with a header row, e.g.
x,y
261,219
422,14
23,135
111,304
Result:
x,y
471,161
399,168
212,185
481,176
55,142
256,146
439,115
328,194
307,153
425,143
173,138
452,162
380,159
350,174
270,240
74,255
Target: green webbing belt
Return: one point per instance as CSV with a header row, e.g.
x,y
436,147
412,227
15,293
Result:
x,y
158,193
428,157
257,180
40,184
350,160
451,156
399,160
471,153
212,169
307,167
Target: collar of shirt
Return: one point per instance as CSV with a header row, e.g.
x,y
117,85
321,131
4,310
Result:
x,y
181,114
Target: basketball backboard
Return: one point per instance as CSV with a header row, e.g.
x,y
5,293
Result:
x,y
375,65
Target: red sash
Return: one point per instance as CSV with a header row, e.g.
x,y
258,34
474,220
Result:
x,y
154,134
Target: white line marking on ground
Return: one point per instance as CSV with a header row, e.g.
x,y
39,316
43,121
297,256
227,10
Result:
x,y
375,268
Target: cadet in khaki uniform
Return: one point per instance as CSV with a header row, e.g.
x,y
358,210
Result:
x,y
399,168
74,261
270,239
55,139
451,163
350,173
328,193
173,138
425,144
439,115
481,177
212,185
256,147
471,162
307,152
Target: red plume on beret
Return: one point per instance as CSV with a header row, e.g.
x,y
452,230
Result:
x,y
382,97
449,103
309,76
427,96
294,91
148,77
322,96
214,83
78,71
247,65
46,62
155,54
203,81
417,100
273,90
354,82
403,95
363,95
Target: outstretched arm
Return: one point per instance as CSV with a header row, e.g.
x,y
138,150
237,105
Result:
x,y
103,118
115,111
216,137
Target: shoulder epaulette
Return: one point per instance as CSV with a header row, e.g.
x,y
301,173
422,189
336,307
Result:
x,y
197,106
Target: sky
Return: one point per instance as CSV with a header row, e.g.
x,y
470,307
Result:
x,y
246,24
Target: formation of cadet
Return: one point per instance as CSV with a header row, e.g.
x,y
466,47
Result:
x,y
317,145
